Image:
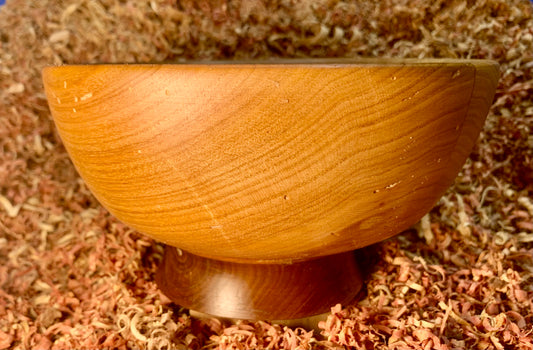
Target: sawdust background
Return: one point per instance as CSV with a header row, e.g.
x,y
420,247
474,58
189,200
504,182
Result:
x,y
71,276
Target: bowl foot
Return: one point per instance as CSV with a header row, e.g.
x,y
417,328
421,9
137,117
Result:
x,y
258,291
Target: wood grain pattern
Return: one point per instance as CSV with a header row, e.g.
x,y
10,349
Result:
x,y
270,162
259,291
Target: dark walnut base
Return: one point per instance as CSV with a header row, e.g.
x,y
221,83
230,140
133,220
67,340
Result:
x,y
258,291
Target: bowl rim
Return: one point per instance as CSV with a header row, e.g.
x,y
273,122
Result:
x,y
328,62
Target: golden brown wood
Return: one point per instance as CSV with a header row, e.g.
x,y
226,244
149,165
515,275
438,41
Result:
x,y
270,162
259,291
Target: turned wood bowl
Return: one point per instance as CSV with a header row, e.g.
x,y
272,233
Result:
x,y
267,175
270,162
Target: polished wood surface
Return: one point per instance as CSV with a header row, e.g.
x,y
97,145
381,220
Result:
x,y
259,291
271,162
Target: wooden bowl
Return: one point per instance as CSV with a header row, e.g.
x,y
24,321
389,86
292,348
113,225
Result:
x,y
271,162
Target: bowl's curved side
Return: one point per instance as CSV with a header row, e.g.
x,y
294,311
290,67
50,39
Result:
x,y
485,83
268,162
484,86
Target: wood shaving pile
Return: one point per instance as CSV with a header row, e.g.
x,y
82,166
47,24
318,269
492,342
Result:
x,y
71,276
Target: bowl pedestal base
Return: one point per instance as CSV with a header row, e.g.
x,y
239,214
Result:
x,y
258,291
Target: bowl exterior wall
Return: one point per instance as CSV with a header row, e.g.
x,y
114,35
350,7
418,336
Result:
x,y
269,162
